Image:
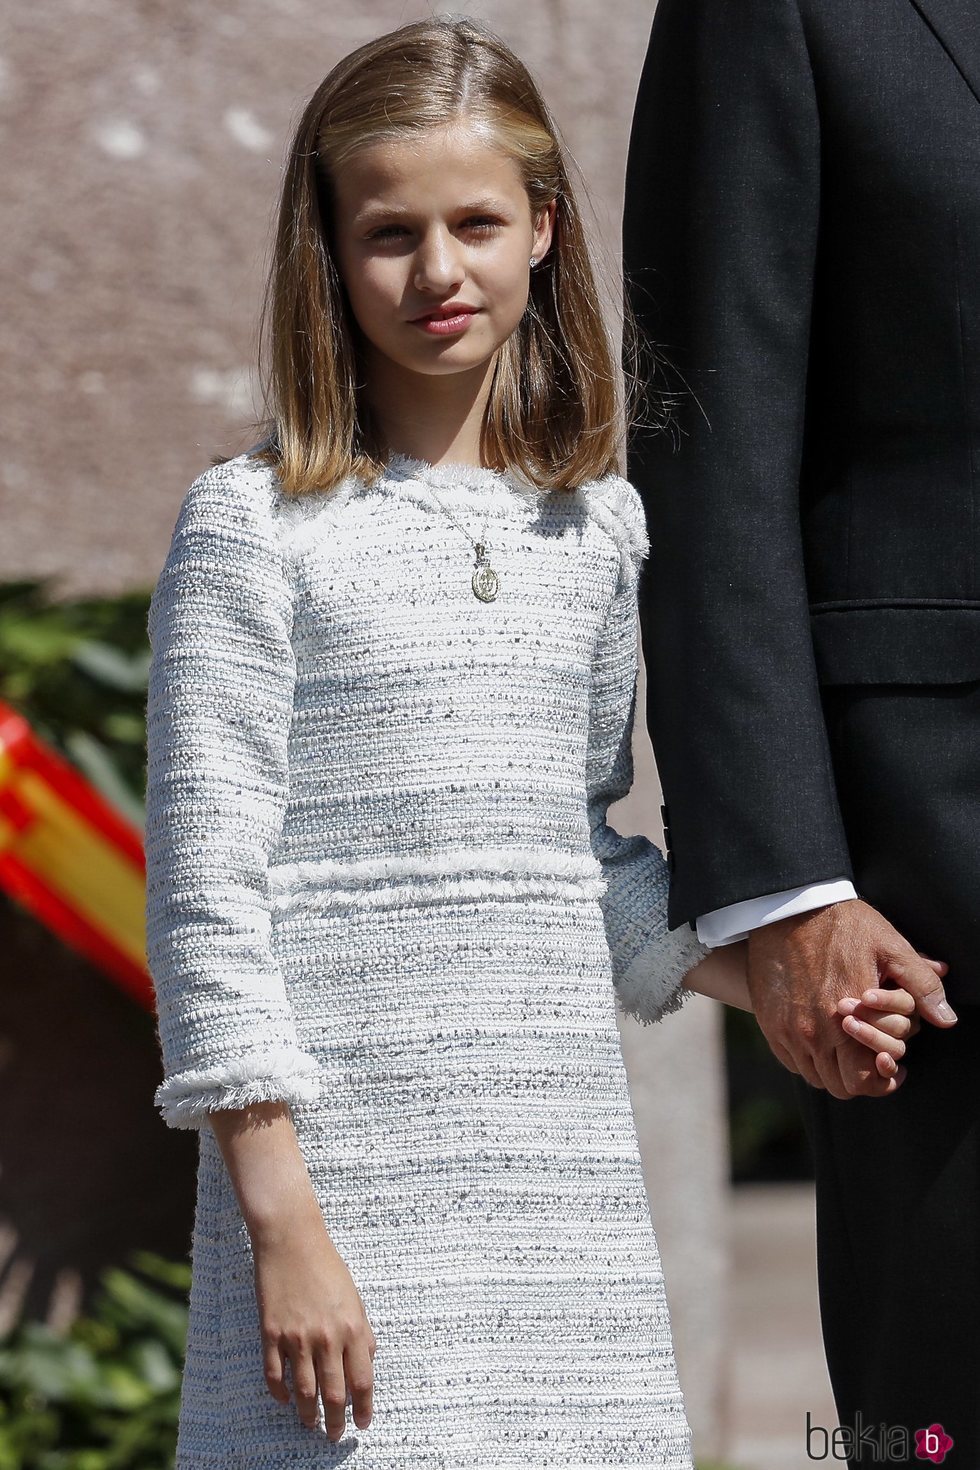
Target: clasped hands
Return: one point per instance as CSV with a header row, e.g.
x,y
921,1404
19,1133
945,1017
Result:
x,y
838,991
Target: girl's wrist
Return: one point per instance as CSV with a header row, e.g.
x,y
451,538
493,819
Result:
x,y
721,975
267,1169
284,1220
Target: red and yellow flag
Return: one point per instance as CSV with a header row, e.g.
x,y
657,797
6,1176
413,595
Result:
x,y
70,858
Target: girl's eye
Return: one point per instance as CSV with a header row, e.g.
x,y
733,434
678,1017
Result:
x,y
480,222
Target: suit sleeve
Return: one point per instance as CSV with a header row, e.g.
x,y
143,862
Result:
x,y
648,961
719,248
219,707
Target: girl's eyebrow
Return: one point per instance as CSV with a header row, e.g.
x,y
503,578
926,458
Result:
x,y
381,211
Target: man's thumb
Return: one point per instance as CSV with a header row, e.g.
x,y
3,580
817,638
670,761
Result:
x,y
916,975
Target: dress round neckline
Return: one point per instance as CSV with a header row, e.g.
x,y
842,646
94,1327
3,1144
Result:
x,y
449,475
467,486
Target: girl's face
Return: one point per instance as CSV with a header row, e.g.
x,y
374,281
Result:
x,y
433,225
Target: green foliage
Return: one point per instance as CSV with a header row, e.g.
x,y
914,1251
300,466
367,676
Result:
x,y
105,1394
77,671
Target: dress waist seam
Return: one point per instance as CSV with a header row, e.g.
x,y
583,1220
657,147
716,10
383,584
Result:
x,y
433,876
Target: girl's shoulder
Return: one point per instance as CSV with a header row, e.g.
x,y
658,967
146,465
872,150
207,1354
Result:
x,y
230,507
225,541
238,488
617,506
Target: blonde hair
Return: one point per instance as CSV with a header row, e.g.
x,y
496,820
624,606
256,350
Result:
x,y
553,412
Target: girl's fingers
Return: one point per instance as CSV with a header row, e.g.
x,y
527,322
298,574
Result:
x,y
899,1001
896,1023
359,1373
887,1007
901,1027
274,1365
333,1391
873,1037
304,1384
895,1072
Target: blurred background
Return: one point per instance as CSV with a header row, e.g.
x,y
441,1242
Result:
x,y
143,145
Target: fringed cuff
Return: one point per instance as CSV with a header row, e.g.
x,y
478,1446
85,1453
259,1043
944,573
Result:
x,y
651,985
283,1073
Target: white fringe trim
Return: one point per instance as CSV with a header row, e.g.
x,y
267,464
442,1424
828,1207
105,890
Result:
x,y
467,480
651,986
619,521
434,877
301,519
280,1073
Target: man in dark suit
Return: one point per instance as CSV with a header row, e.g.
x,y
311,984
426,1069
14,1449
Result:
x,y
802,245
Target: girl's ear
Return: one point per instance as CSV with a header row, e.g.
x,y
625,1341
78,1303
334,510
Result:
x,y
544,228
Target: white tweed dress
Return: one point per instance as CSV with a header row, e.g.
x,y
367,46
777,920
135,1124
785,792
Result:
x,y
381,886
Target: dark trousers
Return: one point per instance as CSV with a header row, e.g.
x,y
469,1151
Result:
x,y
898,1178
898,1243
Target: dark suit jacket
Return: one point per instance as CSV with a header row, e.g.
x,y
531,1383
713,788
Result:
x,y
802,241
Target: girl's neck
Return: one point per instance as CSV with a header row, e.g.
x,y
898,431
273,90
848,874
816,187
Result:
x,y
436,418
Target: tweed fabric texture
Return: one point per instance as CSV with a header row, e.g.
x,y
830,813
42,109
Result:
x,y
381,885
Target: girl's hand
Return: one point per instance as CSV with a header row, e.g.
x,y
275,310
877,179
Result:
x,y
883,1018
312,1316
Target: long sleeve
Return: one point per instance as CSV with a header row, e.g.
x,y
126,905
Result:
x,y
720,247
648,960
219,707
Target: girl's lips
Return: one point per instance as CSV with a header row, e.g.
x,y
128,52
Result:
x,y
443,326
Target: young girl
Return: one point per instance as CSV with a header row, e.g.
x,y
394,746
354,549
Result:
x,y
393,679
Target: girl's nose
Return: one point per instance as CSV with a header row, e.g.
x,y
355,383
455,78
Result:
x,y
436,265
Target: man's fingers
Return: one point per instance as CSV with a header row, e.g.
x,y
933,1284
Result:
x,y
830,1074
800,1065
916,975
782,1055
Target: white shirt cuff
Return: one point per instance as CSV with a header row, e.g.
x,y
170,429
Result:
x,y
737,920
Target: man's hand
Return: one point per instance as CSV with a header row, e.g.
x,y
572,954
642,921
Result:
x,y
800,967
